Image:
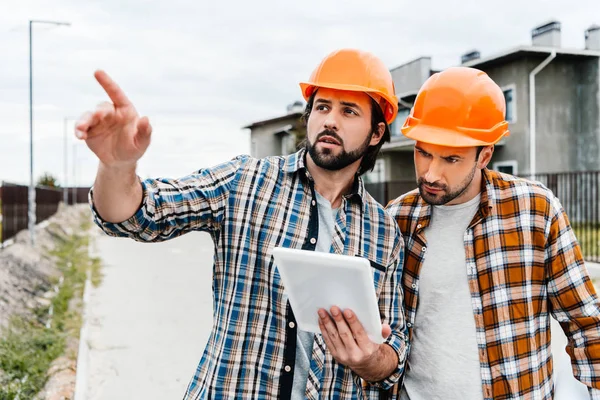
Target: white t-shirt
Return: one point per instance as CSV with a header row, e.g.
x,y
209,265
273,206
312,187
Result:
x,y
444,358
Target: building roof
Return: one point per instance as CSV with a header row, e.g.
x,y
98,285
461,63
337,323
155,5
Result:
x,y
409,62
523,51
294,115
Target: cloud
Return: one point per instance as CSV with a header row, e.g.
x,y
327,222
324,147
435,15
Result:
x,y
202,70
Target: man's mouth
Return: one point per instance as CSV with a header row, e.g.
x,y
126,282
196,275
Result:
x,y
431,190
329,140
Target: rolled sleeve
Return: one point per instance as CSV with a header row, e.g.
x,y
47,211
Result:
x,y
133,225
399,342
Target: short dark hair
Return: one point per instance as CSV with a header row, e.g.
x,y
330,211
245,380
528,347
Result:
x,y
479,149
368,161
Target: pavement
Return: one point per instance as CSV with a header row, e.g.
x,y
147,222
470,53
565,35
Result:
x,y
148,322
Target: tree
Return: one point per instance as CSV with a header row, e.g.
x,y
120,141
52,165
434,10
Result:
x,y
48,180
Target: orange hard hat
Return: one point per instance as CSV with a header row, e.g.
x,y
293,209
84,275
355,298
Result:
x,y
357,71
458,107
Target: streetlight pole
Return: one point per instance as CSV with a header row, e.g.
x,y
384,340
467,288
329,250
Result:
x,y
31,213
65,162
74,164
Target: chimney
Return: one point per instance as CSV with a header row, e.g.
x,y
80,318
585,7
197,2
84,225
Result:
x,y
295,107
592,38
547,35
471,55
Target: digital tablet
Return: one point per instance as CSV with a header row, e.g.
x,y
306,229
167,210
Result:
x,y
314,280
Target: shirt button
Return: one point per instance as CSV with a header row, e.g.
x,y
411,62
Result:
x,y
292,325
288,368
419,226
414,285
313,241
313,202
424,249
409,325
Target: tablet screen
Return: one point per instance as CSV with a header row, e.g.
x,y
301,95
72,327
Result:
x,y
314,280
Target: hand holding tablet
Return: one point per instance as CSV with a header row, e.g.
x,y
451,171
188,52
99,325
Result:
x,y
316,281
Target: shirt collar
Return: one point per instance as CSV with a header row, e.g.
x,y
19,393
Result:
x,y
296,163
486,203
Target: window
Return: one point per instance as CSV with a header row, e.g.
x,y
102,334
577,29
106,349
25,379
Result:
x,y
398,122
507,167
509,97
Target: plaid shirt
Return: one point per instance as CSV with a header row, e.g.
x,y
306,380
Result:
x,y
250,206
523,264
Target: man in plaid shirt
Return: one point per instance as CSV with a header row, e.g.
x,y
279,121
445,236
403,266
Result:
x,y
489,258
314,200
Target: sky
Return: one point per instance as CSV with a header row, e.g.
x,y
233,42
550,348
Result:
x,y
201,70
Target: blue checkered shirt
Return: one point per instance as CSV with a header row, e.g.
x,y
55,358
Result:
x,y
249,206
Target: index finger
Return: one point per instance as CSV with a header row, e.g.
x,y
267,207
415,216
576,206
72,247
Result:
x,y
111,88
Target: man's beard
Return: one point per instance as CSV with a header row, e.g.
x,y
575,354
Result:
x,y
445,196
326,159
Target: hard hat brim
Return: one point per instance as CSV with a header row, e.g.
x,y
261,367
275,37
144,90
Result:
x,y
308,89
445,137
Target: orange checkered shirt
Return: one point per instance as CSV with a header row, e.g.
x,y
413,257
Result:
x,y
523,265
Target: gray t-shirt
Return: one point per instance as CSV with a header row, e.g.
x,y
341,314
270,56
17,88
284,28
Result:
x,y
444,358
304,343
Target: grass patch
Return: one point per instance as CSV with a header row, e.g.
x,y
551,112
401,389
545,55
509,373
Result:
x,y
28,347
26,351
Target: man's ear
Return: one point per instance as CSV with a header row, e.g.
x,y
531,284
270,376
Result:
x,y
485,156
378,134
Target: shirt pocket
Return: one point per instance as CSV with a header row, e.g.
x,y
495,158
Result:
x,y
378,272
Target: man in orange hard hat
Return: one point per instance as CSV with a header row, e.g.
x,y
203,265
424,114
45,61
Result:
x,y
313,200
489,257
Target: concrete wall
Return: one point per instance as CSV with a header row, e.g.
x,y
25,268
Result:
x,y
516,146
567,116
410,76
264,143
567,120
588,97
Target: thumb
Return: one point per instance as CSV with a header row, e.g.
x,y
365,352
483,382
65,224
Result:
x,y
144,128
142,137
386,331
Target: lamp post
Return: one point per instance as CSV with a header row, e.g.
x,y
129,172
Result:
x,y
74,164
31,194
65,161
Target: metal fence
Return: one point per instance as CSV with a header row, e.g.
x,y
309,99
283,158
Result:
x,y
14,201
578,192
